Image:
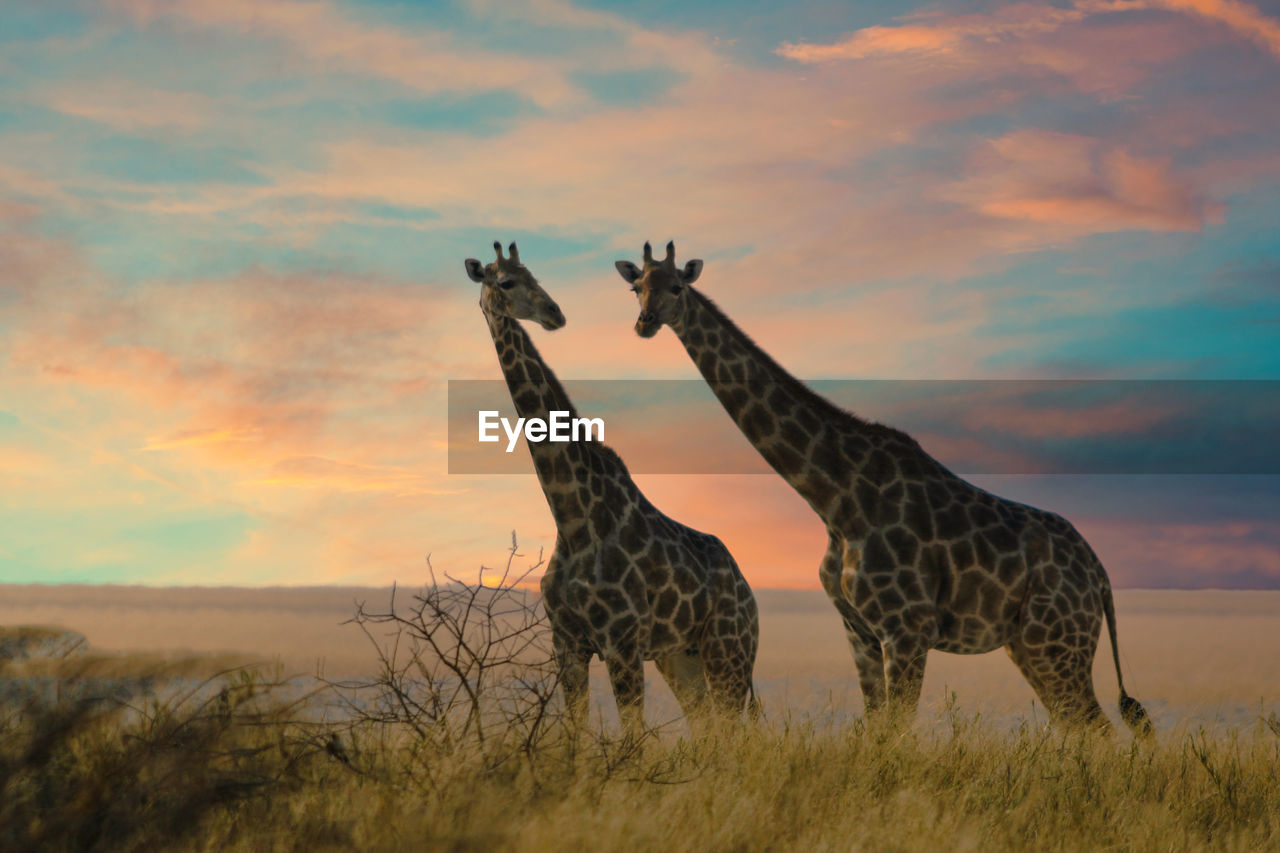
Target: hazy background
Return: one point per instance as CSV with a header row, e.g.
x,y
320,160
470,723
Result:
x,y
1194,657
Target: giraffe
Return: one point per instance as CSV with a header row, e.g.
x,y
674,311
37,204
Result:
x,y
917,558
624,581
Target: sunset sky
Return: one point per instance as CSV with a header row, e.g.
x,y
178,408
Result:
x,y
232,238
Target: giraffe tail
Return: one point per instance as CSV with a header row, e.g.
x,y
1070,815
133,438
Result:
x,y
1131,710
754,709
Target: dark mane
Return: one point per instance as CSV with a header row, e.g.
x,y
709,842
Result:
x,y
822,406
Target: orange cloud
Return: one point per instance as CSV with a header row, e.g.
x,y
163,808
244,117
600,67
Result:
x,y
198,437
938,33
875,41
1242,18
281,397
1000,30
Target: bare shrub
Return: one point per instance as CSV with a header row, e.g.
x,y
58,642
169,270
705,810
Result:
x,y
465,667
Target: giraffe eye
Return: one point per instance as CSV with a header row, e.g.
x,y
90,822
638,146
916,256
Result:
x,y
676,288
507,283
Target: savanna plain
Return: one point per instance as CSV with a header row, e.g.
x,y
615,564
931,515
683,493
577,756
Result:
x,y
288,719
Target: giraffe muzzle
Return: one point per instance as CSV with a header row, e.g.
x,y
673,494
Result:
x,y
553,319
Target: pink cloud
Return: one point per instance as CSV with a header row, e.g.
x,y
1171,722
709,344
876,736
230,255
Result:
x,y
751,152
1085,44
1079,185
1242,18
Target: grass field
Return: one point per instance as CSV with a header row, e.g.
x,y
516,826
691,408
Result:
x,y
196,780
244,763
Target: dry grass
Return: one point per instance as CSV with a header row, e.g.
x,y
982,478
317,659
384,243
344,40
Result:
x,y
241,772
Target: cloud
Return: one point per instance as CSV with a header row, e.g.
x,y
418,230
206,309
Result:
x,y
126,106
1079,185
313,472
278,396
636,46
1088,44
940,33
198,437
875,41
1242,18
936,33
788,164
426,61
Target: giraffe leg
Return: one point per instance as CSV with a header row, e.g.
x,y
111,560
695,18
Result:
x,y
729,647
728,674
1064,684
685,675
868,655
572,666
904,671
1054,651
626,674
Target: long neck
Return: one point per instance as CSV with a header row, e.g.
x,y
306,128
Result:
x,y
805,438
536,392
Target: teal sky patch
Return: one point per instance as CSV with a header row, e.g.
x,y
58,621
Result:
x,y
628,88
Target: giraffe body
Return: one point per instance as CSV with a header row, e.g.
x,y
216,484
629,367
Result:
x,y
917,557
625,582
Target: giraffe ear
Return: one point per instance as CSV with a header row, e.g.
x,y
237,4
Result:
x,y
628,270
475,269
691,271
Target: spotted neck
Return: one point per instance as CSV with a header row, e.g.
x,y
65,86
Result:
x,y
535,392
813,444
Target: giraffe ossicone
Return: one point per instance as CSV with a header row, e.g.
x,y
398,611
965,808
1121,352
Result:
x,y
624,582
917,558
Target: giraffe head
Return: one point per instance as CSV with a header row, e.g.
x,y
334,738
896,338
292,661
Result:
x,y
508,289
661,288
